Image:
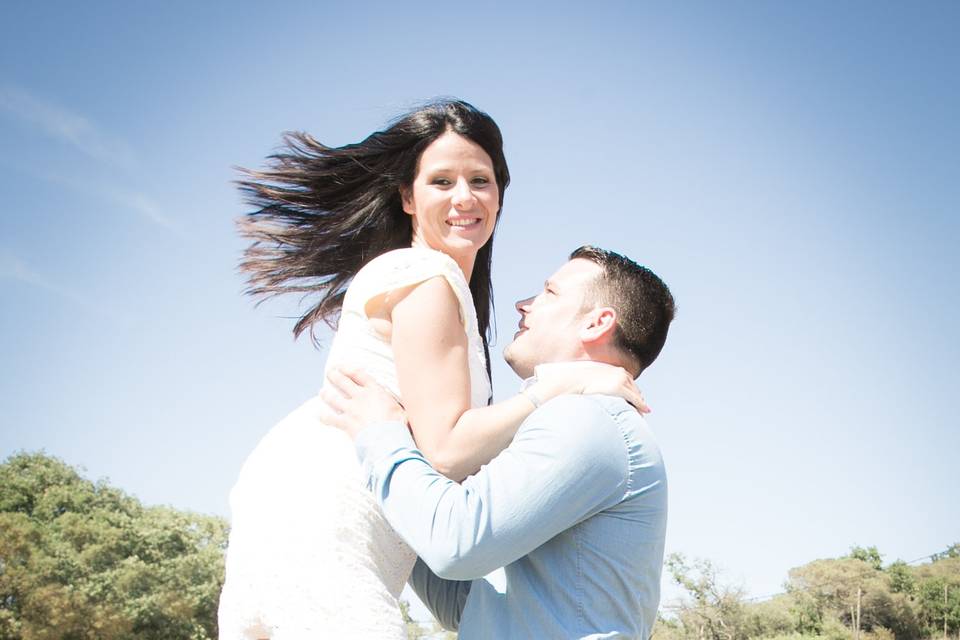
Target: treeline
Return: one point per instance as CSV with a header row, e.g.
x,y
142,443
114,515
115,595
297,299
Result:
x,y
81,560
856,596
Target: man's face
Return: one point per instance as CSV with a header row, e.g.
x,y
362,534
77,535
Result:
x,y
551,322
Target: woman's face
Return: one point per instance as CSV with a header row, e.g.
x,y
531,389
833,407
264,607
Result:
x,y
454,199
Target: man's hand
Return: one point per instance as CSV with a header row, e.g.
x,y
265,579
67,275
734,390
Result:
x,y
356,401
586,376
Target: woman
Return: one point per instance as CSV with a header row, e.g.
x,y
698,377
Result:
x,y
404,218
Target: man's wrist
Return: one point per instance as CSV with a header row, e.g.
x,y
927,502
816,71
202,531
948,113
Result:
x,y
531,395
379,445
382,436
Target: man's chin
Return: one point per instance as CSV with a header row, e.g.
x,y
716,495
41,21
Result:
x,y
521,366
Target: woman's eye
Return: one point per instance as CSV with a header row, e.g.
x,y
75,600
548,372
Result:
x,y
480,181
441,181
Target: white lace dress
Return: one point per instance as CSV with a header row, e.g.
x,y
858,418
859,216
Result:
x,y
310,554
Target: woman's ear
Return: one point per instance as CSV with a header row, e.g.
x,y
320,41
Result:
x,y
406,200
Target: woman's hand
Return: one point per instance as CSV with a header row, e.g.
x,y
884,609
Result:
x,y
557,378
357,401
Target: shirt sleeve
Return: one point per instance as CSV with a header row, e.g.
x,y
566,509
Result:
x,y
567,462
444,598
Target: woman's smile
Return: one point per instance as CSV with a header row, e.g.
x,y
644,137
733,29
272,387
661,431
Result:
x,y
454,199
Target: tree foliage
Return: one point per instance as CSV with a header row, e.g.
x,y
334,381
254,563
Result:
x,y
824,600
714,611
423,630
82,560
868,555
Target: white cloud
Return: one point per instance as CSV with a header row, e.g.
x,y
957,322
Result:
x,y
142,204
139,203
78,131
66,126
13,268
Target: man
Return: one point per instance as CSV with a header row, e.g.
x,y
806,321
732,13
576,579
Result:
x,y
574,509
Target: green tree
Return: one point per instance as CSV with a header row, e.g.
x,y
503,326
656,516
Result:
x,y
82,560
422,631
901,578
953,551
900,602
935,580
827,589
939,603
869,555
712,610
770,618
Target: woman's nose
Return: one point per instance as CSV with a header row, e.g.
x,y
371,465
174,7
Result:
x,y
521,305
462,194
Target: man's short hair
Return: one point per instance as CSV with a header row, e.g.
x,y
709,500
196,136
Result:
x,y
642,301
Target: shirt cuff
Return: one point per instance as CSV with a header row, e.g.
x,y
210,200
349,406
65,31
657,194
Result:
x,y
382,441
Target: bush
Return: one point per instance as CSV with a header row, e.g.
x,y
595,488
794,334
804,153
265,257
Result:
x,y
82,560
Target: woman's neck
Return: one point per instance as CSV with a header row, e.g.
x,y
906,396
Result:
x,y
465,263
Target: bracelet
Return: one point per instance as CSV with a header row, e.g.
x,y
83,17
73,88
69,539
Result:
x,y
531,396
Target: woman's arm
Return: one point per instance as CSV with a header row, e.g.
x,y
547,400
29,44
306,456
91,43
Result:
x,y
431,350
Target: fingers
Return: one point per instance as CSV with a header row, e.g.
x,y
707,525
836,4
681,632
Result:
x,y
333,411
333,417
343,381
340,412
353,383
644,407
637,400
358,376
631,393
333,399
634,395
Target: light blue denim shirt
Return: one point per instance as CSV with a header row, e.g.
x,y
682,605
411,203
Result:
x,y
574,510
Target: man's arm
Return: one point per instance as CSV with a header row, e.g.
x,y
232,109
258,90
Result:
x,y
444,598
567,462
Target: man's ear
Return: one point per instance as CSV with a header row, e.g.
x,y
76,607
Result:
x,y
599,326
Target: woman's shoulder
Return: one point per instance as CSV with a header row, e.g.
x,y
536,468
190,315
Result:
x,y
415,261
410,256
403,267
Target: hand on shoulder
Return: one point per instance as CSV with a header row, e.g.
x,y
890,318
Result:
x,y
587,377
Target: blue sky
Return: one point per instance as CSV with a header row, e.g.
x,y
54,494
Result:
x,y
790,169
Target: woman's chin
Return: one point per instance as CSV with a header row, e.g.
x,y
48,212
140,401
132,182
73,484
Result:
x,y
460,247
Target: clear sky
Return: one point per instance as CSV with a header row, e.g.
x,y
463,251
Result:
x,y
790,169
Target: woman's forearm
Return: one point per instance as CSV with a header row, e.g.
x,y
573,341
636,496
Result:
x,y
477,437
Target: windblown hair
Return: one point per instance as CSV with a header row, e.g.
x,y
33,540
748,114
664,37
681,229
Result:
x,y
643,303
324,212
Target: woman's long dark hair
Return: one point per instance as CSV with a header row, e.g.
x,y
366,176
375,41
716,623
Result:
x,y
324,212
